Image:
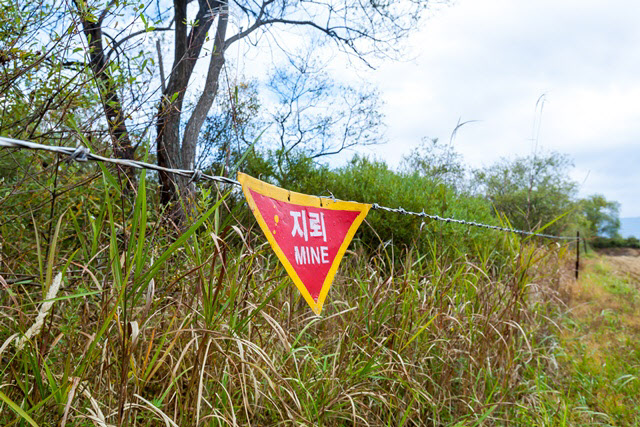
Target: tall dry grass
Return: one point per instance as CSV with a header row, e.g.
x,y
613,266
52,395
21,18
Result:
x,y
204,328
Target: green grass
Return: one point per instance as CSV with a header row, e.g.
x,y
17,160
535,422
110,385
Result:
x,y
599,350
203,327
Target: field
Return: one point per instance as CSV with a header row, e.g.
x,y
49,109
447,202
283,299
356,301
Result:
x,y
137,288
205,328
600,359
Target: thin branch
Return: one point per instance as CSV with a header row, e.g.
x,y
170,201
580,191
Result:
x,y
105,11
252,28
162,78
117,44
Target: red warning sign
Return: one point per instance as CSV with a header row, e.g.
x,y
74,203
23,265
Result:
x,y
308,234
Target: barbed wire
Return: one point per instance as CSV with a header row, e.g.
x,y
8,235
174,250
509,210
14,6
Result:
x,y
423,214
82,154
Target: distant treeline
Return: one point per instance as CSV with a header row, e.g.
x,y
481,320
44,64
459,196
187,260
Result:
x,y
616,242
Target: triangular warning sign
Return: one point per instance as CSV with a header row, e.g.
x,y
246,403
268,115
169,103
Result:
x,y
309,234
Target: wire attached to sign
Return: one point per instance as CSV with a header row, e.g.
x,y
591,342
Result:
x,y
82,154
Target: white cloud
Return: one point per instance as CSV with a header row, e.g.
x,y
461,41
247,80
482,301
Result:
x,y
491,60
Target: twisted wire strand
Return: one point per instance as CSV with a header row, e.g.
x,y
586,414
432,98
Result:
x,y
82,154
423,214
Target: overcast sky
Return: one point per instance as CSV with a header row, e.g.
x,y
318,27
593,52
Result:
x,y
491,60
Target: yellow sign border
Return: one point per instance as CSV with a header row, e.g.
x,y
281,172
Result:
x,y
280,194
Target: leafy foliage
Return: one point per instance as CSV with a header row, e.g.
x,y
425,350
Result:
x,y
616,242
601,215
531,191
437,161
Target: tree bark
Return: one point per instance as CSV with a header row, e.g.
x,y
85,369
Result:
x,y
203,106
172,152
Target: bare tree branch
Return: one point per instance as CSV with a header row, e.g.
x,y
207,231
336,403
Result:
x,y
116,44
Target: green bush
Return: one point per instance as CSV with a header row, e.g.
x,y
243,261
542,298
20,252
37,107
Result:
x,y
616,242
372,181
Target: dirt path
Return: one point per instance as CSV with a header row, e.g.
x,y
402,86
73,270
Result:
x,y
626,264
624,261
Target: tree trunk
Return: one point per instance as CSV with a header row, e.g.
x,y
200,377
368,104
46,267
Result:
x,y
174,151
203,106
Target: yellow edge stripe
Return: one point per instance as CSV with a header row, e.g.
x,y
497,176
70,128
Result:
x,y
283,195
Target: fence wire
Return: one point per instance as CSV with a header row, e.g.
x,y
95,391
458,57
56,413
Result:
x,y
82,154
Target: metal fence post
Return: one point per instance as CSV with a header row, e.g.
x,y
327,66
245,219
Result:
x,y
577,254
